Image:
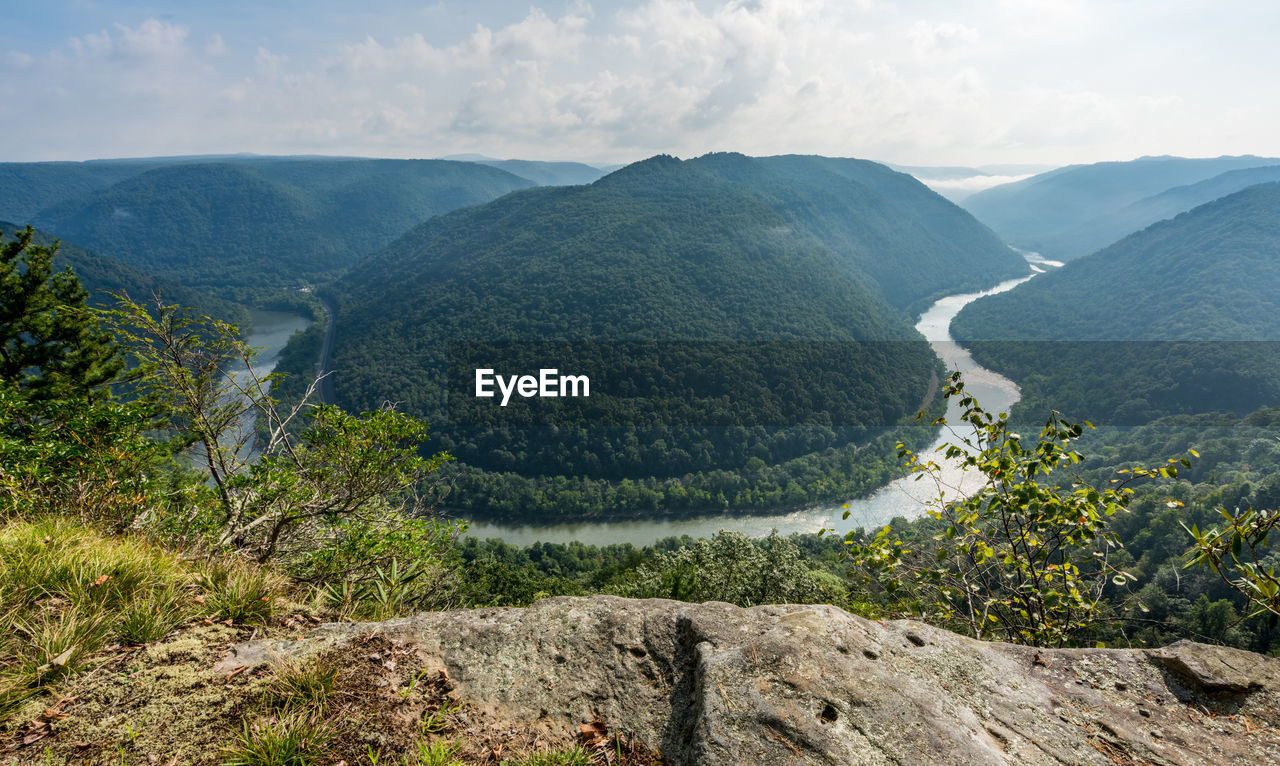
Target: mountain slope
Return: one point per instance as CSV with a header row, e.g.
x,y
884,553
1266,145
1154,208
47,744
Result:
x,y
548,173
104,277
1054,213
915,244
662,251
1110,227
267,222
26,188
1181,317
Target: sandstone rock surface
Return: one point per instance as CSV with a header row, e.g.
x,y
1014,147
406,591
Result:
x,y
718,684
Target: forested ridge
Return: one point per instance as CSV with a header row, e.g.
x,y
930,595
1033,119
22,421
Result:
x,y
1062,213
236,226
913,243
105,278
1178,318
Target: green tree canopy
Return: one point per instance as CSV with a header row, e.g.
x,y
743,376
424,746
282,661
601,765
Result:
x,y
51,346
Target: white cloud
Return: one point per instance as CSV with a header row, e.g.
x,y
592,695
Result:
x,y
152,40
929,39
926,83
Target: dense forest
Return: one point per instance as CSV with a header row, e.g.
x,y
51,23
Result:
x,y
914,244
234,226
106,277
1179,318
1072,211
745,359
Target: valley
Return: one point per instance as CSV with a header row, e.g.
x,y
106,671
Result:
x,y
902,498
652,383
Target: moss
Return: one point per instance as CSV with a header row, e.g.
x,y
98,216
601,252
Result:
x,y
163,700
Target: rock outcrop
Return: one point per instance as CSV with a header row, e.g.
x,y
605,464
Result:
x,y
718,684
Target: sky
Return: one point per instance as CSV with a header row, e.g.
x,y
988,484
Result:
x,y
919,82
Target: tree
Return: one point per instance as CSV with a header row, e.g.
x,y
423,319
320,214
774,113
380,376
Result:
x,y
1021,558
51,344
731,567
312,491
65,443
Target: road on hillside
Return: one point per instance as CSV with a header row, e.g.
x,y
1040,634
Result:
x,y
323,369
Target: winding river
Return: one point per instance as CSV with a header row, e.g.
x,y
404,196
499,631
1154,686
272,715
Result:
x,y
904,497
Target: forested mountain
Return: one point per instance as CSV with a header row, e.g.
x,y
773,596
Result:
x,y
1181,317
1072,211
267,222
769,355
1106,229
104,277
915,244
26,188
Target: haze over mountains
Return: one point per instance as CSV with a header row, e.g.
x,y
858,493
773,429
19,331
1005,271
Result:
x,y
1180,317
1075,210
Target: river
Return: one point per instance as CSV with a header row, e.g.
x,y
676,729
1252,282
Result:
x,y
904,497
271,331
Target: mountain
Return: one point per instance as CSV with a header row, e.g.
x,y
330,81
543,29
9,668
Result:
x,y
743,322
26,188
916,245
1110,227
736,359
1056,213
267,222
104,277
1181,317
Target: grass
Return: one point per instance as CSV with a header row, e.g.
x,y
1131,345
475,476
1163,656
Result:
x,y
306,683
240,592
69,593
574,756
288,738
438,753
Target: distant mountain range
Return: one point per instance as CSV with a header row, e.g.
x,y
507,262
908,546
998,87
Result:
x,y
239,224
1183,316
1075,210
958,183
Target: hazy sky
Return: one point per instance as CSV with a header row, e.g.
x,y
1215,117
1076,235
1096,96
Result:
x,y
960,82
